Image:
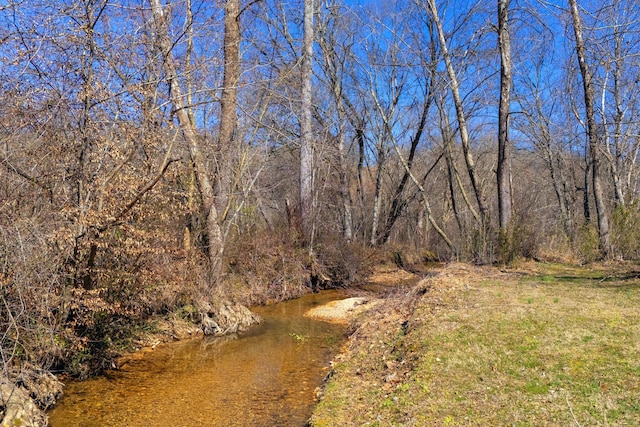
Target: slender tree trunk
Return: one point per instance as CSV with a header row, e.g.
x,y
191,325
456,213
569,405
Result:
x,y
612,157
358,124
187,240
617,165
462,122
506,78
377,197
306,136
594,143
587,189
568,186
447,137
630,166
557,187
421,228
448,155
361,189
83,189
347,210
425,201
335,69
229,101
212,227
397,202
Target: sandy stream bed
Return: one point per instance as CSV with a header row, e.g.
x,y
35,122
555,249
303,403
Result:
x,y
342,311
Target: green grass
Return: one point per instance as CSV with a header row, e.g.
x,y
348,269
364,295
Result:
x,y
557,348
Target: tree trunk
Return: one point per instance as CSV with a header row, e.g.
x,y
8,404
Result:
x,y
397,203
334,70
506,78
212,228
616,164
586,209
358,124
594,143
361,189
447,138
462,122
347,210
451,172
425,201
306,136
558,187
377,197
229,101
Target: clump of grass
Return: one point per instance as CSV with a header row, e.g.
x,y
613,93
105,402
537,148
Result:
x,y
498,350
298,337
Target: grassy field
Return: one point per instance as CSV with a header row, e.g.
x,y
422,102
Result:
x,y
540,345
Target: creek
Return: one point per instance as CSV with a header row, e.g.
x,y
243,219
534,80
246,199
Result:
x,y
266,376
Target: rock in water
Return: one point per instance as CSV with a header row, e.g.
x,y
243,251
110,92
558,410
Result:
x,y
209,326
17,408
228,319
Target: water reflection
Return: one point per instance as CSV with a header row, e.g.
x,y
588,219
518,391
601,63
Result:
x,y
264,377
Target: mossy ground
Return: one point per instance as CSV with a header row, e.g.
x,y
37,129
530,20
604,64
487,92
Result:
x,y
538,345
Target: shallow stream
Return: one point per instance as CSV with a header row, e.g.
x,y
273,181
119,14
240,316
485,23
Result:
x,y
264,377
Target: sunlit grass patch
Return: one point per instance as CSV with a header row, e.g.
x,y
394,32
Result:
x,y
559,348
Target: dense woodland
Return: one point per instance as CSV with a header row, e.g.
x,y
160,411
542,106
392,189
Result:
x,y
190,156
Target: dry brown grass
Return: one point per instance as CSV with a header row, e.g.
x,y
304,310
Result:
x,y
537,345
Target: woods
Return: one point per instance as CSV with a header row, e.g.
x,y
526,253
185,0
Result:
x,y
196,157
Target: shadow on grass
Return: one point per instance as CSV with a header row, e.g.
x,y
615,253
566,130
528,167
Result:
x,y
625,281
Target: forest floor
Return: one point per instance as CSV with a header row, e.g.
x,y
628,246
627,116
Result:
x,y
536,344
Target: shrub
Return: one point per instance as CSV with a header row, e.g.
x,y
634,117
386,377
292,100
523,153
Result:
x,y
587,243
625,231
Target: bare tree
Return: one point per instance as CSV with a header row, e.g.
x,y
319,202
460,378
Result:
x,y
592,132
306,131
615,43
540,122
398,201
229,100
334,64
506,79
460,114
190,134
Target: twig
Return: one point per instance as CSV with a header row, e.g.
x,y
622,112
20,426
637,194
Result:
x,y
571,410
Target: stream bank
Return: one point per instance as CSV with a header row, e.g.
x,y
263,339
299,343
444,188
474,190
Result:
x,y
165,332
531,344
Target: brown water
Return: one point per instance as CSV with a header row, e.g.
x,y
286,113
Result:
x,y
264,377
